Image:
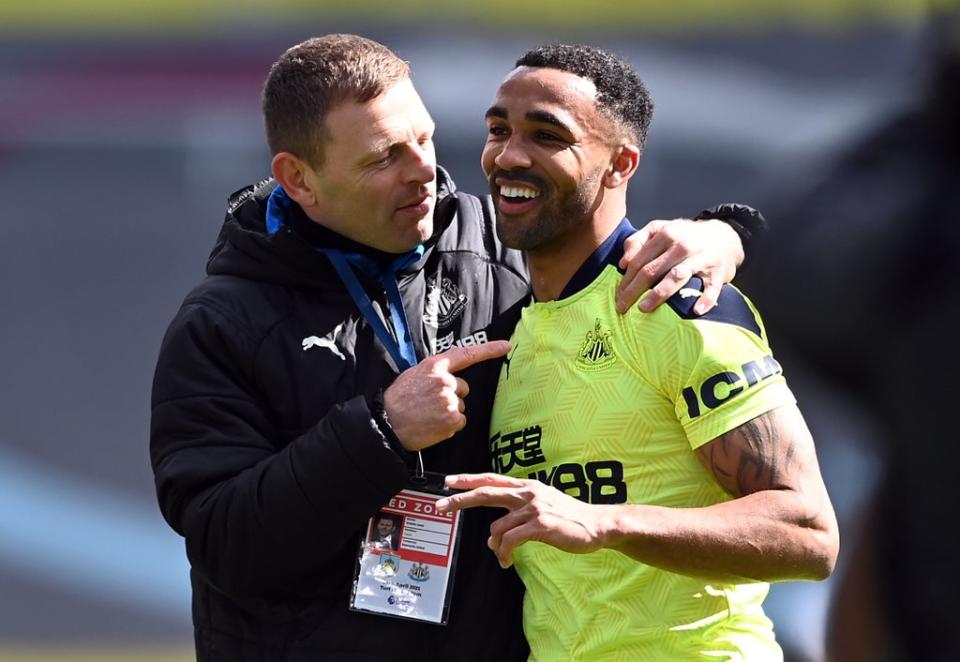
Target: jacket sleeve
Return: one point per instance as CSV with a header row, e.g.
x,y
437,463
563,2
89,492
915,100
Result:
x,y
259,516
746,221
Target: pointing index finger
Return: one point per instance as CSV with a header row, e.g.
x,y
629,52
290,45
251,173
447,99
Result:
x,y
470,481
502,497
458,358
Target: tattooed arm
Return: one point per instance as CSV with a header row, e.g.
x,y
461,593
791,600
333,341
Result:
x,y
779,526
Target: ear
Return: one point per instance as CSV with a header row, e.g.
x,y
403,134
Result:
x,y
622,166
290,171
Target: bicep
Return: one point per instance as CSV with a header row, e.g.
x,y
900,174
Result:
x,y
773,451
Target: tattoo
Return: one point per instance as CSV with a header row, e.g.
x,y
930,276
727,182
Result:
x,y
756,456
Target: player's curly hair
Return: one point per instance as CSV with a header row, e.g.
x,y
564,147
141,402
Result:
x,y
621,95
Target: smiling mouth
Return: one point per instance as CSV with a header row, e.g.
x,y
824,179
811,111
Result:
x,y
513,198
518,193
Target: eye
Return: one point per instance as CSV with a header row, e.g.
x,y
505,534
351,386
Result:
x,y
496,130
384,160
546,135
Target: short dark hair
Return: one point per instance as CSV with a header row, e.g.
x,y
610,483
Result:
x,y
313,77
621,95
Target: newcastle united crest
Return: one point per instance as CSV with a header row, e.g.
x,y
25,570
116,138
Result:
x,y
419,572
596,350
444,302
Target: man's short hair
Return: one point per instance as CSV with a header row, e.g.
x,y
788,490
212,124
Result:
x,y
621,95
311,78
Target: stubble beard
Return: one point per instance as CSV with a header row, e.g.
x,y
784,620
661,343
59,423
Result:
x,y
554,220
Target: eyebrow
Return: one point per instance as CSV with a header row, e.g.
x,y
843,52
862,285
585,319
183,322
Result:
x,y
540,116
547,118
496,111
381,147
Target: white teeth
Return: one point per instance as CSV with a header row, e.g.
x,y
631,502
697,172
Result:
x,y
518,192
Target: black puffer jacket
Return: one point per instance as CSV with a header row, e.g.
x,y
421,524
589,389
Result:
x,y
268,462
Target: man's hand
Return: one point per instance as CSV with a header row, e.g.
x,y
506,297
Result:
x,y
672,252
536,512
425,403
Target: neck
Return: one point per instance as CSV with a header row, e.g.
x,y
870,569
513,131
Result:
x,y
552,266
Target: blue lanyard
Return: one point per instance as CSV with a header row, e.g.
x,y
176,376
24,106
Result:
x,y
400,344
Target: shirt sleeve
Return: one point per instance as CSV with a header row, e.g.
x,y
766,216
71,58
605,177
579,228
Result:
x,y
717,370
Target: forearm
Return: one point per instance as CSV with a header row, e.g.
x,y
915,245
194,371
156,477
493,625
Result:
x,y
779,525
261,508
772,535
269,519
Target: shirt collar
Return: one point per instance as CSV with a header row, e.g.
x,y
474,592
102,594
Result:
x,y
609,252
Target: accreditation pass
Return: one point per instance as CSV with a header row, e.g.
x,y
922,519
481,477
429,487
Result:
x,y
406,559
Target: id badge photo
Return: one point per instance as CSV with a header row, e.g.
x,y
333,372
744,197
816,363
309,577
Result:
x,y
405,563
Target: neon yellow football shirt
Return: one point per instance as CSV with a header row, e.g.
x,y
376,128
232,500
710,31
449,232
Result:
x,y
608,409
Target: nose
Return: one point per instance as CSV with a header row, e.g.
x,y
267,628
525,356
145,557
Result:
x,y
513,155
423,158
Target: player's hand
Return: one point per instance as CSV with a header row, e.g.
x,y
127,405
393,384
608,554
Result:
x,y
664,255
425,403
536,512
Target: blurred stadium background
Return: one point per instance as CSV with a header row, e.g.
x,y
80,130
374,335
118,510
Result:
x,y
124,126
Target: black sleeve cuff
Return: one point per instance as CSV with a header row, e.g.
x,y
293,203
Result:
x,y
380,419
745,221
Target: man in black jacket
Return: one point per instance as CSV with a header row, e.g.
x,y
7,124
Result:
x,y
320,351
